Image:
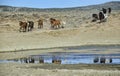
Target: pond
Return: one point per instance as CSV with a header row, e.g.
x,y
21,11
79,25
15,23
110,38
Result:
x,y
72,57
68,58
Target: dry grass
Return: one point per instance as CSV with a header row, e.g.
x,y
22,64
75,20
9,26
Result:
x,y
24,70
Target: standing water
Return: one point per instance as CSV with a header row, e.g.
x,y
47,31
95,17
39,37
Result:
x,y
68,58
73,57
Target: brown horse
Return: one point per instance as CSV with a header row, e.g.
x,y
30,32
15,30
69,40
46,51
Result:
x,y
55,23
23,26
40,23
56,61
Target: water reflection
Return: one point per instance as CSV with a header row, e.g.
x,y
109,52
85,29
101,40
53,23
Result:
x,y
68,58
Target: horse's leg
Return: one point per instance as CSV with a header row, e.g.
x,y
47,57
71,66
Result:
x,y
31,28
51,26
25,28
28,28
58,26
20,29
42,25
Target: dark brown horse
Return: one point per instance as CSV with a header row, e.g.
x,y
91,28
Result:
x,y
104,10
95,17
109,10
30,25
55,23
102,60
101,16
23,26
40,23
96,60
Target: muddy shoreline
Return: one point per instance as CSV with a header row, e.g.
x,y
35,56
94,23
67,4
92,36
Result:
x,y
80,47
66,66
85,49
75,66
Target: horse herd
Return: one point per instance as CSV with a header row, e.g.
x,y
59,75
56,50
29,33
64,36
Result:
x,y
41,60
29,25
56,24
102,15
101,60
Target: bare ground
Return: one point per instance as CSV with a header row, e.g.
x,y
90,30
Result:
x,y
58,70
87,33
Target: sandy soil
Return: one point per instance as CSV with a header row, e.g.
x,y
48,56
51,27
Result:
x,y
91,33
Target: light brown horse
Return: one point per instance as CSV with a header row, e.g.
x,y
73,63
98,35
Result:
x,y
40,23
23,26
55,23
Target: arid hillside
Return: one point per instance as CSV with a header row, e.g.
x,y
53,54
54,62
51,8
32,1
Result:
x,y
78,28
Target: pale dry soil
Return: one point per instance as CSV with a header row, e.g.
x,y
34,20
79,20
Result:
x,y
58,70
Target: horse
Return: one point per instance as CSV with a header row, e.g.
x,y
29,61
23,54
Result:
x,y
102,17
55,23
110,60
96,60
95,17
56,61
104,10
102,60
23,26
109,11
40,23
30,25
41,60
31,60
